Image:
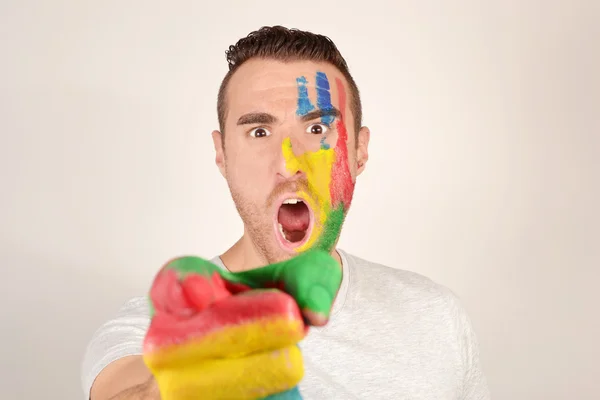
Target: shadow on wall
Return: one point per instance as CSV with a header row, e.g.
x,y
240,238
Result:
x,y
51,309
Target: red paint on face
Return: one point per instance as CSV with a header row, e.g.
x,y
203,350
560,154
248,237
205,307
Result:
x,y
341,187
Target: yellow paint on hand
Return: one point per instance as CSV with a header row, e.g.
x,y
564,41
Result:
x,y
247,361
252,377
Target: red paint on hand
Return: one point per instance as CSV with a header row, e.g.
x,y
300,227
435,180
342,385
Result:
x,y
202,292
196,305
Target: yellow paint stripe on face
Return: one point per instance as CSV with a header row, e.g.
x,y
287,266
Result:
x,y
317,166
252,377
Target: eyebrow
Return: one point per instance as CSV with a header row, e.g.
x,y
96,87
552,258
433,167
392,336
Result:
x,y
330,112
256,118
266,118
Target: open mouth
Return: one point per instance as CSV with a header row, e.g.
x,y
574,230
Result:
x,y
294,222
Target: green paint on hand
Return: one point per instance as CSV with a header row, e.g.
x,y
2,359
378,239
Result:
x,y
311,278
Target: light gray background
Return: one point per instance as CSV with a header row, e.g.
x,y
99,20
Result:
x,y
484,171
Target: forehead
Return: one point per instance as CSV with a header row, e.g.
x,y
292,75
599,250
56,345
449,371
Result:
x,y
271,85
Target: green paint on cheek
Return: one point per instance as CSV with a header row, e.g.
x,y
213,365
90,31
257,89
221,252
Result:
x,y
332,228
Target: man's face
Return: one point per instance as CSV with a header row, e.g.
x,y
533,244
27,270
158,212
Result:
x,y
290,154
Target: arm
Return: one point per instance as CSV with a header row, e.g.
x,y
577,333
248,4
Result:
x,y
112,361
475,386
126,378
475,383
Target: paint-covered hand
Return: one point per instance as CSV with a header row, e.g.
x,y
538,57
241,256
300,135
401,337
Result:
x,y
216,334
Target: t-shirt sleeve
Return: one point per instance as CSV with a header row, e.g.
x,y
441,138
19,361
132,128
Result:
x,y
117,338
475,385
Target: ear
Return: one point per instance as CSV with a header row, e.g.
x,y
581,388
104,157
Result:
x,y
218,141
362,149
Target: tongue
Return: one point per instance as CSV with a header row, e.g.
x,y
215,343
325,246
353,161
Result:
x,y
294,217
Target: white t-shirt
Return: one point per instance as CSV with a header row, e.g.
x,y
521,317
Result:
x,y
393,334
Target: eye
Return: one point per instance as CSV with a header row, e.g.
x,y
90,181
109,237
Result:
x,y
317,129
259,132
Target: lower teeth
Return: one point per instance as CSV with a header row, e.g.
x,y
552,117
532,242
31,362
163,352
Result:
x,y
282,233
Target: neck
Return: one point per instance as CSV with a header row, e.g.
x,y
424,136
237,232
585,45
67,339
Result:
x,y
243,256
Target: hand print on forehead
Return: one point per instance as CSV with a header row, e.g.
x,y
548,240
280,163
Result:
x,y
323,96
323,101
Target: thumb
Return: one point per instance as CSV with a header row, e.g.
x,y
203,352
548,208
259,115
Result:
x,y
312,278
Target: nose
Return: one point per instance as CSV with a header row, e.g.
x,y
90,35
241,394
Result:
x,y
289,166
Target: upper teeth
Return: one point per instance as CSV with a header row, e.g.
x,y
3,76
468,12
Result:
x,y
291,201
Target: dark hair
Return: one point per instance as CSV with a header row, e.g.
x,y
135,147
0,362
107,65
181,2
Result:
x,y
283,44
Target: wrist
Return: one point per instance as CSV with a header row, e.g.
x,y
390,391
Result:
x,y
151,390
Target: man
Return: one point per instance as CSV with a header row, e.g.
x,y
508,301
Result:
x,y
291,145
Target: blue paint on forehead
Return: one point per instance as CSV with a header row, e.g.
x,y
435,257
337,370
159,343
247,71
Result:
x,y
304,104
324,97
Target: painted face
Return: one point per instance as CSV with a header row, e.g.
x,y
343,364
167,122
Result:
x,y
330,186
289,159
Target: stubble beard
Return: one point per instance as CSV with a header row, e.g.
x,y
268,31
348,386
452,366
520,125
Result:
x,y
259,228
258,220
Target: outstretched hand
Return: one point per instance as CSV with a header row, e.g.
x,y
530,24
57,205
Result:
x,y
215,334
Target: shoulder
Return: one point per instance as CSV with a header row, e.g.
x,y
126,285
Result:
x,y
132,316
403,289
135,307
417,308
372,273
119,336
